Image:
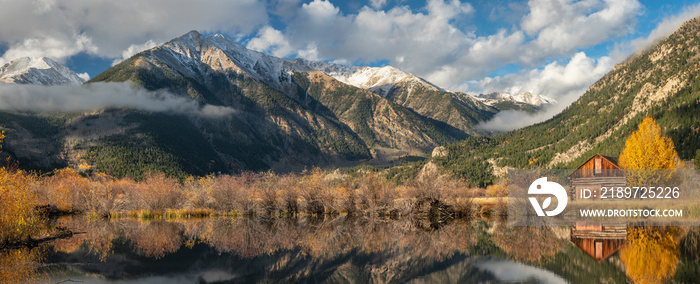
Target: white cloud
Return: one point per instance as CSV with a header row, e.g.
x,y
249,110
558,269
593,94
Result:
x,y
554,80
665,28
70,98
55,47
272,41
320,10
284,8
482,55
429,43
134,49
377,4
85,76
564,83
310,53
509,271
425,40
563,26
445,10
108,28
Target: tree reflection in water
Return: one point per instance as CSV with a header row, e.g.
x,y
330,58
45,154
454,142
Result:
x,y
651,253
344,248
20,265
528,244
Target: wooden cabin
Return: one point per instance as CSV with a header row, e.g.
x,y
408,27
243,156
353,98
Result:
x,y
598,171
599,242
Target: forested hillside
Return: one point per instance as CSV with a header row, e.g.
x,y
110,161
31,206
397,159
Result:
x,y
662,82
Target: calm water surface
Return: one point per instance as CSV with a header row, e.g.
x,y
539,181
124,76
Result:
x,y
354,250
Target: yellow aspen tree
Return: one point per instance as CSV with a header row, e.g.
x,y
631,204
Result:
x,y
648,148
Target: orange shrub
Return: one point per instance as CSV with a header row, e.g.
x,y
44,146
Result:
x,y
197,192
289,194
234,193
105,194
316,195
497,190
17,215
376,195
156,192
66,189
346,199
267,190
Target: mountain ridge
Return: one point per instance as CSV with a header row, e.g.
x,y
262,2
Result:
x,y
38,71
289,115
522,97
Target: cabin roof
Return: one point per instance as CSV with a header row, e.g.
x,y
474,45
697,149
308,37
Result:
x,y
612,159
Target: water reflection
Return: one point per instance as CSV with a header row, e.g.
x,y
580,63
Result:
x,y
342,249
20,265
649,254
599,242
529,244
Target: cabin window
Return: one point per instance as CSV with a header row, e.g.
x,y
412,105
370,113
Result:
x,y
598,166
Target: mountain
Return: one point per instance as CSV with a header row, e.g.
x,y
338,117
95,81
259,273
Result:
x,y
38,71
524,101
379,80
662,81
408,90
290,114
524,97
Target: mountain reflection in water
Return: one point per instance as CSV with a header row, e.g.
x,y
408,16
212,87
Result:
x,y
347,250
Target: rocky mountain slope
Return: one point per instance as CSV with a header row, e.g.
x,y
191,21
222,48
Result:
x,y
288,116
38,71
662,82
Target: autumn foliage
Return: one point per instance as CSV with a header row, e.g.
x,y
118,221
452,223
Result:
x,y
651,154
18,218
649,148
316,192
249,194
651,254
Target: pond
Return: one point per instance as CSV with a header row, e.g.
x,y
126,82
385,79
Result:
x,y
353,250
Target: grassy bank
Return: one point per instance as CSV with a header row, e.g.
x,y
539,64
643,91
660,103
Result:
x,y
28,198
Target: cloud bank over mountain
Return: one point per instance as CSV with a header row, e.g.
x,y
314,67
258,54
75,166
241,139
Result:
x,y
74,98
564,83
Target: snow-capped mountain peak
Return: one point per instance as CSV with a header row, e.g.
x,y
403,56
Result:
x,y
221,53
38,71
530,98
193,55
523,97
376,79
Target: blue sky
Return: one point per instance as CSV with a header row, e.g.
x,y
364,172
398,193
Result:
x,y
552,47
